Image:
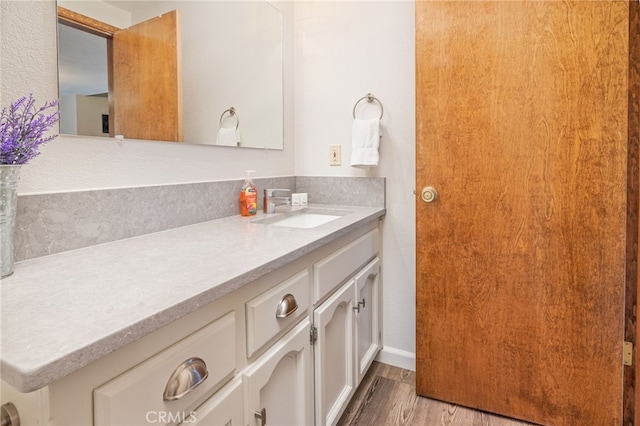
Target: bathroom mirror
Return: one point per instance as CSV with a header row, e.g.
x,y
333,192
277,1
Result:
x,y
230,56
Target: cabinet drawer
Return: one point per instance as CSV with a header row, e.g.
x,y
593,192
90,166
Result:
x,y
331,271
263,321
138,396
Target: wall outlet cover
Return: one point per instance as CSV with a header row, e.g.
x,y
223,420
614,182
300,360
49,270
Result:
x,y
335,155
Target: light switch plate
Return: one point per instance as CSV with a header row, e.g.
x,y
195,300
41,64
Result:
x,y
335,155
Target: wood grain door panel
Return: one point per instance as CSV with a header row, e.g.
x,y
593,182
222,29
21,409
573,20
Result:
x,y
522,128
147,80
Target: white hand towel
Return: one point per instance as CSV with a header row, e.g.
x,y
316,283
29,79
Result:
x,y
227,136
365,141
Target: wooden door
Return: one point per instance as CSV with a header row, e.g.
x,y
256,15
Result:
x,y
522,129
632,411
147,80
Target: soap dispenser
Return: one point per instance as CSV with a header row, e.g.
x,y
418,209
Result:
x,y
248,197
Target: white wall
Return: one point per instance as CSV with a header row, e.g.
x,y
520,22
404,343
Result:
x,y
29,65
68,108
343,50
90,112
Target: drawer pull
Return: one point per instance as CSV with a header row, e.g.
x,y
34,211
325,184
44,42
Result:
x,y
189,375
10,416
287,306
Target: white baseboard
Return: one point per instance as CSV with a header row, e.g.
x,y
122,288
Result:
x,y
397,358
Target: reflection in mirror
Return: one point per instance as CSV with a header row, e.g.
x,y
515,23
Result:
x,y
83,83
229,55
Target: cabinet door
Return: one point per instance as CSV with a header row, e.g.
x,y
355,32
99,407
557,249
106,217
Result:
x,y
367,317
334,354
225,408
278,385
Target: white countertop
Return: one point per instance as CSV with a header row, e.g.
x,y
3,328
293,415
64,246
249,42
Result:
x,y
64,311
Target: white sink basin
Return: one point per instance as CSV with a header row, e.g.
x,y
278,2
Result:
x,y
308,220
303,218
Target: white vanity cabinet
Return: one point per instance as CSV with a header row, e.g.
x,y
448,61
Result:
x,y
269,379
347,324
348,340
277,386
247,358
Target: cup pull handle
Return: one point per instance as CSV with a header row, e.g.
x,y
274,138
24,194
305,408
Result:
x,y
185,378
9,415
287,306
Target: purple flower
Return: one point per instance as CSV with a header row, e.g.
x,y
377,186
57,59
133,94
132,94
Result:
x,y
22,130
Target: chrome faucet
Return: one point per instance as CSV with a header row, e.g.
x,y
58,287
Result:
x,y
271,201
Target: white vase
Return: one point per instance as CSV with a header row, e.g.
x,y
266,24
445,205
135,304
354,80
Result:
x,y
9,175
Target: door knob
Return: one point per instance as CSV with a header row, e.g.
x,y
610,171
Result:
x,y
429,194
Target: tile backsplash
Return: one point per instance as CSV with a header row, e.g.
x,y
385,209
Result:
x,y
346,191
57,222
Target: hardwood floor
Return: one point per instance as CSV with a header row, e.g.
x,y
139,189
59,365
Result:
x,y
387,396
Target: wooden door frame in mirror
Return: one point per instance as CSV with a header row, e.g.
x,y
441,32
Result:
x,y
93,26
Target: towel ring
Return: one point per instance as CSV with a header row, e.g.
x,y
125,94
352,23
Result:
x,y
370,98
232,113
